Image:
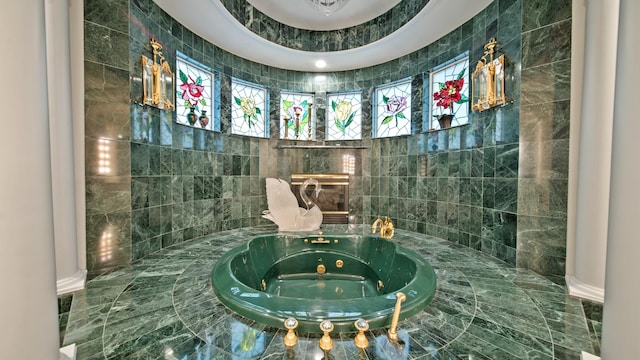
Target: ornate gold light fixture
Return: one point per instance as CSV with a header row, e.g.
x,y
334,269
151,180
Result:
x,y
157,80
328,6
488,80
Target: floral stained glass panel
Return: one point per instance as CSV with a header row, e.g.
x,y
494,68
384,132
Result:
x,y
392,109
302,104
449,89
249,109
194,94
344,116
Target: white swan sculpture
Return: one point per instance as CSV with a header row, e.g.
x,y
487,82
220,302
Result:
x,y
284,210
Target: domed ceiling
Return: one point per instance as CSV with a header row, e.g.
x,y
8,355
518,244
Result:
x,y
391,28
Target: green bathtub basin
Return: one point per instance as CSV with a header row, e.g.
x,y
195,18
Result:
x,y
337,277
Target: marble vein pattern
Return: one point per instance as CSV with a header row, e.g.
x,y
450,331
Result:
x,y
163,307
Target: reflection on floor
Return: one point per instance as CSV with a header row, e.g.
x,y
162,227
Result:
x,y
163,307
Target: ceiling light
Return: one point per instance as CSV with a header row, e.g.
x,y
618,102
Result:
x,y
328,6
321,64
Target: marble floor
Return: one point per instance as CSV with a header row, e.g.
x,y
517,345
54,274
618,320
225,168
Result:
x,y
163,307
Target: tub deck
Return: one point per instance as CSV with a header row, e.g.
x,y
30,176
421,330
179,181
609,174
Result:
x,y
163,306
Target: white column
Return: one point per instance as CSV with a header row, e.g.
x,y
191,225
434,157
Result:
x,y
69,276
621,318
27,263
586,278
76,29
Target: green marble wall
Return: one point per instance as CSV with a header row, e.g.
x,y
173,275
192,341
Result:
x,y
544,139
175,183
107,123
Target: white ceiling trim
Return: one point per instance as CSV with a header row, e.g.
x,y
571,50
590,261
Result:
x,y
210,20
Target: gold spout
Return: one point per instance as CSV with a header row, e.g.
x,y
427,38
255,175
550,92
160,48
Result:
x,y
386,227
361,339
374,226
290,340
393,334
326,344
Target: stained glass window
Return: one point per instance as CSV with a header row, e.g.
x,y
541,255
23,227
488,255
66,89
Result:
x,y
249,109
392,109
344,116
448,93
296,109
195,94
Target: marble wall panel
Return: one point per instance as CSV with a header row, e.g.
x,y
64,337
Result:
x,y
543,198
546,83
104,45
106,107
112,246
545,121
546,45
540,13
506,195
108,194
543,160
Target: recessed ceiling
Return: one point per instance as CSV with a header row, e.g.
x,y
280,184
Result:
x,y
304,16
210,20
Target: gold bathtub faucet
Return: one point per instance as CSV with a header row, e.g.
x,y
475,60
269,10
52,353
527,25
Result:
x,y
386,227
392,334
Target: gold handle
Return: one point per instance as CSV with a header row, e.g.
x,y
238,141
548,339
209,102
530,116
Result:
x,y
361,339
326,344
290,340
393,334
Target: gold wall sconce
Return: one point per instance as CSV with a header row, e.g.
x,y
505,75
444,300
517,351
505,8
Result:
x,y
157,80
488,80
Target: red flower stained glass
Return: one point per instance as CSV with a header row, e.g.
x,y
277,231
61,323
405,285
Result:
x,y
450,92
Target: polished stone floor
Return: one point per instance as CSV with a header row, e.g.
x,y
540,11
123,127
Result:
x,y
163,307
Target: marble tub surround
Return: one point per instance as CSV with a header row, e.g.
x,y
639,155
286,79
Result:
x,y
163,307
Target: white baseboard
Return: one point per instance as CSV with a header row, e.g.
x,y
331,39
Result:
x,y
584,291
72,283
587,356
68,352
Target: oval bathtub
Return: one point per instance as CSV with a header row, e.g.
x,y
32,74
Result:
x,y
337,277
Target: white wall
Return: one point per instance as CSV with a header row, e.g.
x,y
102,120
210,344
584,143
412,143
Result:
x,y
28,306
593,83
621,315
70,275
